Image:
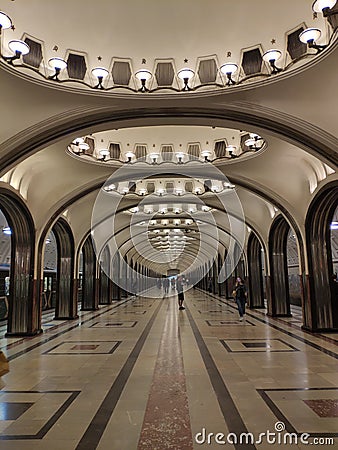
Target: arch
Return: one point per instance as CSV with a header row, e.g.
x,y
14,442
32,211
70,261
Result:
x,y
105,286
297,131
24,309
66,297
322,302
279,304
90,281
256,290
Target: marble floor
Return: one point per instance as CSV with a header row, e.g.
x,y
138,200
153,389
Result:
x,y
140,374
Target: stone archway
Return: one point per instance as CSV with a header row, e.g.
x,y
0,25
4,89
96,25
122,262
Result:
x,y
66,297
279,283
90,280
24,316
256,289
322,301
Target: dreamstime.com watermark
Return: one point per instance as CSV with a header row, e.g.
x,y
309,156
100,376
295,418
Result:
x,y
277,437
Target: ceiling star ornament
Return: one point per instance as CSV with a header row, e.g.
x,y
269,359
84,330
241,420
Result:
x,y
273,41
228,54
314,15
186,60
144,61
99,58
55,48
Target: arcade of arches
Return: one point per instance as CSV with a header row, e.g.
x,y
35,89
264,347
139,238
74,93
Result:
x,y
104,194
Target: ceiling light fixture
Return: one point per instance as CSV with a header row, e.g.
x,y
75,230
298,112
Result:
x,y
186,75
18,48
104,152
80,148
229,69
100,73
154,157
310,36
57,64
5,21
179,156
325,7
206,154
142,191
271,56
143,76
231,151
130,156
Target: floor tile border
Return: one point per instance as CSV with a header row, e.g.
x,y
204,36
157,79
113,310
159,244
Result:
x,y
112,350
97,426
292,348
55,417
280,416
276,327
229,410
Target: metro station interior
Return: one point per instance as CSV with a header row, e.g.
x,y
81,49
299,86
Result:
x,y
192,141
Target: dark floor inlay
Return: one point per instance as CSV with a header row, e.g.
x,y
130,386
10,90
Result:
x,y
256,345
323,407
12,411
220,323
84,347
127,324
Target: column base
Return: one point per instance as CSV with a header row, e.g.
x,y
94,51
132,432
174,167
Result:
x,y
279,315
66,318
23,334
90,309
319,330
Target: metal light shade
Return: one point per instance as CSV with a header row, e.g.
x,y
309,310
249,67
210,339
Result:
x,y
205,153
100,72
130,155
272,55
179,155
185,74
143,75
231,148
104,152
83,146
250,142
154,155
57,63
111,187
319,5
310,34
19,46
228,68
5,21
78,141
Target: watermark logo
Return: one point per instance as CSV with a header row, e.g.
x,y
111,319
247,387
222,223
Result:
x,y
277,437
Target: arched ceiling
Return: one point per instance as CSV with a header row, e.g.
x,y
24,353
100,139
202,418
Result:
x,y
294,115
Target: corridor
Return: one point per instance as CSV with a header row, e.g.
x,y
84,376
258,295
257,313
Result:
x,y
140,374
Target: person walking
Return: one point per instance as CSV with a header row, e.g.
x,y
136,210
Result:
x,y
166,285
240,295
179,287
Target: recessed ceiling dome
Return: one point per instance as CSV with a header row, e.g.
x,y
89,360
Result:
x,y
108,45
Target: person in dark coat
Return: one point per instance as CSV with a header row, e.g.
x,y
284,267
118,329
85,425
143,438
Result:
x,y
240,295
